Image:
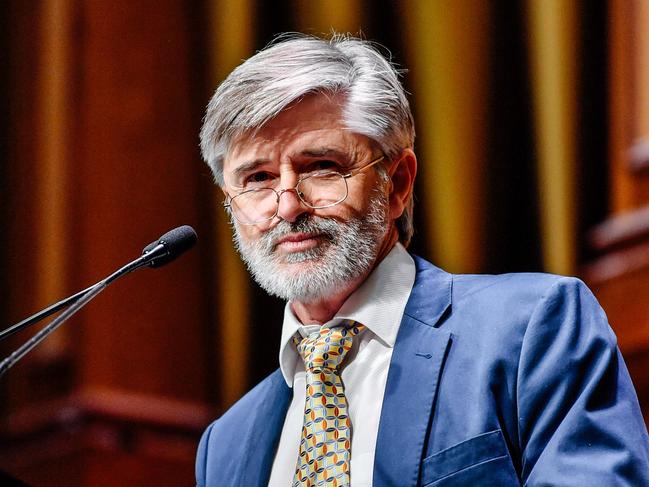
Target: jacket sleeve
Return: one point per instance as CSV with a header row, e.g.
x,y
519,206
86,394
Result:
x,y
578,415
201,458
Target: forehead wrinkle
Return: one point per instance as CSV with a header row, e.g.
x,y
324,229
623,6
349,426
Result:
x,y
323,152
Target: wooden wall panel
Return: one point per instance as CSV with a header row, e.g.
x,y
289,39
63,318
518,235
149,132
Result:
x,y
138,176
122,396
619,274
629,84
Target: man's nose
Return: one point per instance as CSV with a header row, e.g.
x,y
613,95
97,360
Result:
x,y
290,205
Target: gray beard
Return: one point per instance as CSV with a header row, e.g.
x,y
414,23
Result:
x,y
346,251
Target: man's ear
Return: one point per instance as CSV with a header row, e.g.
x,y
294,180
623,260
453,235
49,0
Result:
x,y
402,174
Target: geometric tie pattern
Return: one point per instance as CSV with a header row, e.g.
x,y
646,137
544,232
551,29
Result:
x,y
326,433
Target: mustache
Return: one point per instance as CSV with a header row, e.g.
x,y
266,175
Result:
x,y
309,224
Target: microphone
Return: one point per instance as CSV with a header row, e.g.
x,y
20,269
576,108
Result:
x,y
167,248
170,246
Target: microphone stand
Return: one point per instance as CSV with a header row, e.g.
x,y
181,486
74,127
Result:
x,y
158,253
29,345
82,298
43,314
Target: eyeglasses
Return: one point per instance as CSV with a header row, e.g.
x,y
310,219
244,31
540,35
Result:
x,y
318,190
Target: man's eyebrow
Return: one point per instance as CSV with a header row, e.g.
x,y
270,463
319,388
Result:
x,y
249,166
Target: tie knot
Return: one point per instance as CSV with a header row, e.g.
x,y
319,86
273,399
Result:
x,y
326,348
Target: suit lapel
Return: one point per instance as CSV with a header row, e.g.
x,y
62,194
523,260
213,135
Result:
x,y
264,429
415,368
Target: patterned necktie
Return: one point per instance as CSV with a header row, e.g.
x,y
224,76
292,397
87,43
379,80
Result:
x,y
326,433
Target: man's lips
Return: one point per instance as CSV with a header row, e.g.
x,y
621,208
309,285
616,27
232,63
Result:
x,y
297,242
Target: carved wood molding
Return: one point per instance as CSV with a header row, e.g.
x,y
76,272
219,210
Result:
x,y
103,420
617,263
108,406
113,405
639,156
620,230
622,243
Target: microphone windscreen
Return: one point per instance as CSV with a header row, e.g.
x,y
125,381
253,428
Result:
x,y
175,242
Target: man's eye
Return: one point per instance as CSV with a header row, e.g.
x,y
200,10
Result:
x,y
258,178
324,165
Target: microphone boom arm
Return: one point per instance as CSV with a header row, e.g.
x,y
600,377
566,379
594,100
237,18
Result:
x,y
156,254
29,345
35,318
50,310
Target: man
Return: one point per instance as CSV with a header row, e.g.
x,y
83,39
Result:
x,y
393,372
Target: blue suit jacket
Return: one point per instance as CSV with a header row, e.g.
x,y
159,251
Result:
x,y
494,380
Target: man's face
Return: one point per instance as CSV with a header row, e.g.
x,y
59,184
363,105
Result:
x,y
303,253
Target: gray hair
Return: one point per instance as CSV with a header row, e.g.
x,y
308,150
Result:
x,y
295,65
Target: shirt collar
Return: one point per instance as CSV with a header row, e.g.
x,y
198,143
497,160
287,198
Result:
x,y
378,303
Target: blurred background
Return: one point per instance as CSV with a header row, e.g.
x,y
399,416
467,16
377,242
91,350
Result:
x,y
533,144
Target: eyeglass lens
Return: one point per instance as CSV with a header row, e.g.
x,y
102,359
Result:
x,y
317,191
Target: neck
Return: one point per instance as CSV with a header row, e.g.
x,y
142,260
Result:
x,y
322,310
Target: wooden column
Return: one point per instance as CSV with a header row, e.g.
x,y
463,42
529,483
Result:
x,y
448,43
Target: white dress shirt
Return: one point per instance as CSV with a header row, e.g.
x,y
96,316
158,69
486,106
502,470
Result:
x,y
378,304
